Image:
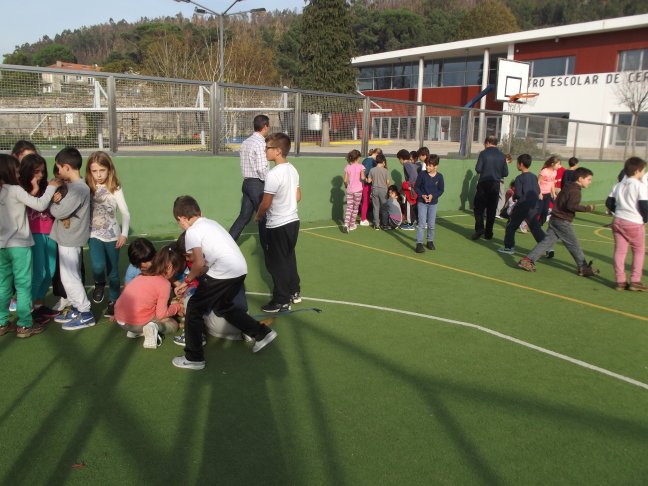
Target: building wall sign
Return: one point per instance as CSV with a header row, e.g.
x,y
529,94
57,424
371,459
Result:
x,y
589,79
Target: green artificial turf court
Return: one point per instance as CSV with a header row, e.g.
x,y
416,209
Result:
x,y
448,367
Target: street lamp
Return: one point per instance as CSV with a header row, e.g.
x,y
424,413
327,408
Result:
x,y
201,9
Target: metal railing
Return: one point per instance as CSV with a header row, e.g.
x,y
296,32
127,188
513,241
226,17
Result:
x,y
135,114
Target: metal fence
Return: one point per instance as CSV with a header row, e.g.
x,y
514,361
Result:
x,y
135,114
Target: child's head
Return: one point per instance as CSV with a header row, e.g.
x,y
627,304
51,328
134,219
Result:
x,y
392,191
583,177
8,169
374,152
403,156
101,170
432,162
573,162
380,159
140,253
491,140
551,162
33,166
423,154
261,123
184,209
68,160
180,247
166,263
277,142
509,158
22,148
524,161
353,156
634,166
413,156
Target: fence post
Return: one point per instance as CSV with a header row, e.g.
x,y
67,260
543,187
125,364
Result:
x,y
214,118
420,117
545,136
366,125
111,91
297,117
602,143
470,132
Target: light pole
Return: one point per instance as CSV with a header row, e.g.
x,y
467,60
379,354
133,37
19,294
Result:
x,y
201,9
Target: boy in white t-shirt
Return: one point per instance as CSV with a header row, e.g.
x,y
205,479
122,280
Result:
x,y
281,194
220,267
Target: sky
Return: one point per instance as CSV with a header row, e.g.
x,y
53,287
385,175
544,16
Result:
x,y
29,20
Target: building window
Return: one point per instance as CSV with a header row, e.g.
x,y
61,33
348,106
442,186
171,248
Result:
x,y
392,76
552,66
635,60
79,78
624,133
66,78
91,80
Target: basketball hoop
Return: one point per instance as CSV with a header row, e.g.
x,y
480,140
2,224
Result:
x,y
517,100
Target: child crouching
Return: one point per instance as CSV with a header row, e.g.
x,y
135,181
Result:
x,y
143,307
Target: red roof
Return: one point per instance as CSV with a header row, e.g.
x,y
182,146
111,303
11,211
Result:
x,y
74,67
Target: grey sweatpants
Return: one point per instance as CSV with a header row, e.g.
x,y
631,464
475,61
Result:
x,y
562,230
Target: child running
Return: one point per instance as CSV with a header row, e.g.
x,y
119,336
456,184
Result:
x,y
353,178
143,307
106,238
547,181
15,248
629,203
560,226
429,187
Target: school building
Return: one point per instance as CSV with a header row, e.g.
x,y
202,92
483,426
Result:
x,y
579,72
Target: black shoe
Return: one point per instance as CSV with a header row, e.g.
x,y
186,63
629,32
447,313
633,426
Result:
x,y
476,235
549,254
110,310
98,293
419,248
488,236
273,307
295,298
430,245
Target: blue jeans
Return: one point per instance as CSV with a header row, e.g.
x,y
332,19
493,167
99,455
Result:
x,y
426,214
252,196
104,256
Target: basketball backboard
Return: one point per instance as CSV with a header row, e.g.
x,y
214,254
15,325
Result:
x,y
512,78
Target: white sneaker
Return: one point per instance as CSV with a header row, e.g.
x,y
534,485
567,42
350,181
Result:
x,y
182,362
150,332
61,304
259,345
133,335
364,222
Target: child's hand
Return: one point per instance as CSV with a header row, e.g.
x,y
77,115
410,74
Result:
x,y
56,197
53,182
181,310
181,289
591,207
120,241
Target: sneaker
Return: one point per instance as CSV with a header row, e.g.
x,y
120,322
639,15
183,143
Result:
x,y
10,326
523,229
476,235
527,264
586,270
621,286
488,236
508,251
549,254
180,340
353,227
61,305
430,245
12,305
637,287
43,310
419,248
133,335
182,362
408,227
295,298
98,293
273,307
110,310
66,316
364,222
267,339
40,318
376,227
25,332
82,320
150,332
345,229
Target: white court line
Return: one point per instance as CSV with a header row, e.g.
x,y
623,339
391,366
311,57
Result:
x,y
486,330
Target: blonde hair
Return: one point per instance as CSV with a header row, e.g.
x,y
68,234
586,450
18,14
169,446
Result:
x,y
104,160
374,151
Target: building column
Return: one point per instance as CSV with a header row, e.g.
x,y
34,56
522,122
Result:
x,y
482,102
420,111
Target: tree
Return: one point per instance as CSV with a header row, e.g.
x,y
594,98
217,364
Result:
x,y
387,30
632,92
490,17
51,53
19,58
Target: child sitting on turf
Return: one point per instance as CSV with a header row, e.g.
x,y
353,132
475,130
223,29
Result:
x,y
391,215
143,307
140,256
429,187
560,226
629,203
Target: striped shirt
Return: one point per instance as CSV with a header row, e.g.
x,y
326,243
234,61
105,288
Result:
x,y
253,158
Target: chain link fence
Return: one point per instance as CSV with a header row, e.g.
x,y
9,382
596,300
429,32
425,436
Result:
x,y
127,113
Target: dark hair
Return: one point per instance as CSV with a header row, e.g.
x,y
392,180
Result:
x,y
582,172
260,122
403,154
572,161
491,140
281,141
413,154
28,166
525,160
70,156
393,188
423,151
163,258
186,206
551,161
381,159
632,165
140,251
353,155
179,244
8,168
508,157
433,159
22,145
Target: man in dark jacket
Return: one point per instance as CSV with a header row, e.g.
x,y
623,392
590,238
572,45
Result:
x,y
491,167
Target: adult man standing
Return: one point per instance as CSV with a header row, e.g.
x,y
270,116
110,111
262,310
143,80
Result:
x,y
254,168
491,167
